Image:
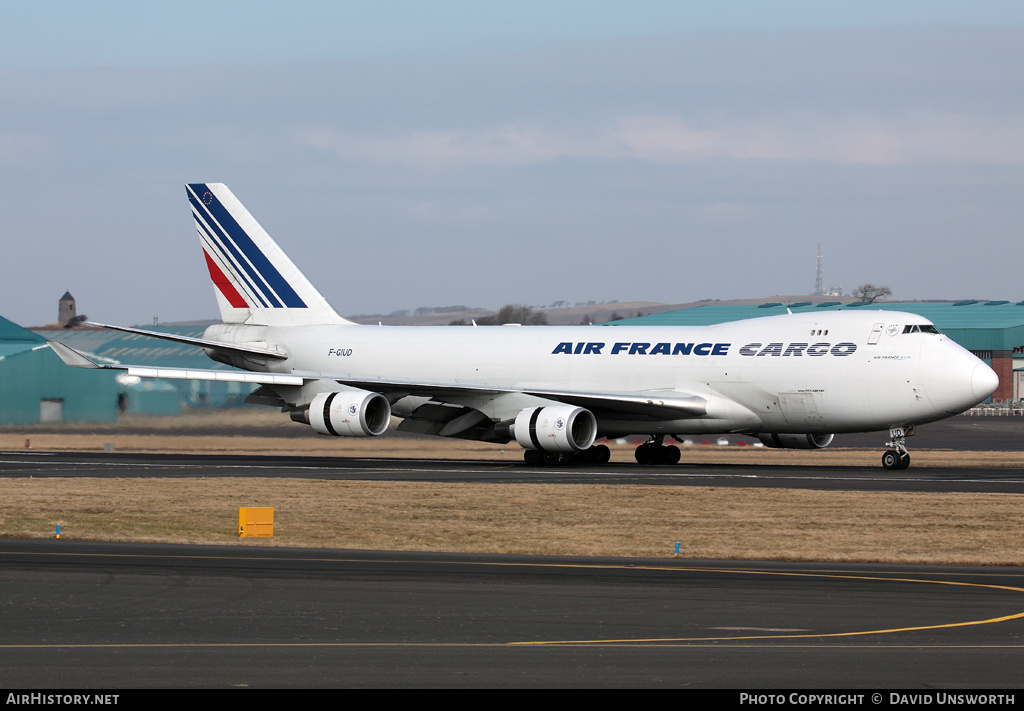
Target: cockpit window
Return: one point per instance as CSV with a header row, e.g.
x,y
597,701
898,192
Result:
x,y
920,328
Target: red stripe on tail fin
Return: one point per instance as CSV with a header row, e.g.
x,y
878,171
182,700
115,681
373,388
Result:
x,y
225,286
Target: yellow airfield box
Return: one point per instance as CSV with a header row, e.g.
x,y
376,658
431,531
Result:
x,y
256,522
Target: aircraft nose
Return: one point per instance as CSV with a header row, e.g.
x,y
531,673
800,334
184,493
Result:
x,y
984,381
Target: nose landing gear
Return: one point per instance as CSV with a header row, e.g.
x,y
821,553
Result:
x,y
898,457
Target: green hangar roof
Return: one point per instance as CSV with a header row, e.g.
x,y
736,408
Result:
x,y
14,339
976,325
38,387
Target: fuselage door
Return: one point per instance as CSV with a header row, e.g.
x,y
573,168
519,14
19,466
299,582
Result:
x,y
801,409
876,333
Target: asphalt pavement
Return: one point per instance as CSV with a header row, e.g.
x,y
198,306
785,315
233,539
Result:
x,y
109,615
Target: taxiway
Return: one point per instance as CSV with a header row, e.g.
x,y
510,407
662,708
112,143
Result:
x,y
86,615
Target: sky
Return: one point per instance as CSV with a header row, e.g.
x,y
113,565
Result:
x,y
410,154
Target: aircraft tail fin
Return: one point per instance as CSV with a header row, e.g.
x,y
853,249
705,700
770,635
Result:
x,y
254,280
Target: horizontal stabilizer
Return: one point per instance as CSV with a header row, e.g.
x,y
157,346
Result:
x,y
79,360
71,357
200,342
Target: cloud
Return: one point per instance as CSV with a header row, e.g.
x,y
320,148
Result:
x,y
25,150
494,146
726,213
430,212
868,140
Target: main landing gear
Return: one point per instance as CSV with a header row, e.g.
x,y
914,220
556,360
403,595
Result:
x,y
598,454
654,452
898,457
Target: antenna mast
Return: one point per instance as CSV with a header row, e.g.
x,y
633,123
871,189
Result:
x,y
819,287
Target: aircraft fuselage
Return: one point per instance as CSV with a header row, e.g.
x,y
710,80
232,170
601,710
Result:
x,y
830,372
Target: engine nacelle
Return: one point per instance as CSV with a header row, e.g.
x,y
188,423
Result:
x,y
796,441
558,428
349,413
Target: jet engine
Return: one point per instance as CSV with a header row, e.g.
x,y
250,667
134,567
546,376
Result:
x,y
347,413
796,441
557,428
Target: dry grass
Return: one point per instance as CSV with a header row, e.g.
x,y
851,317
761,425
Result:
x,y
985,529
766,524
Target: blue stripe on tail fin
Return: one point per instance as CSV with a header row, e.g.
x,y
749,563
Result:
x,y
254,279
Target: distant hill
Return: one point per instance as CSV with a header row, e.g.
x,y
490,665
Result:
x,y
572,315
566,315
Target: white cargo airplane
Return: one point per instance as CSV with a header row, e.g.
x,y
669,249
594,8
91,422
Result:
x,y
791,380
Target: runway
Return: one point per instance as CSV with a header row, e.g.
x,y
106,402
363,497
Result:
x,y
916,478
104,615
87,615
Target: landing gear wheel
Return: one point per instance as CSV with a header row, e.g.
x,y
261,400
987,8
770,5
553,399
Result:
x,y
895,460
602,455
599,454
654,452
554,459
891,460
644,454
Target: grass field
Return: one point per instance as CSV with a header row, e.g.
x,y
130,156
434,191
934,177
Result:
x,y
621,520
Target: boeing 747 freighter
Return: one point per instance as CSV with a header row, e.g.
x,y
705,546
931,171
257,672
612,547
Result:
x,y
792,381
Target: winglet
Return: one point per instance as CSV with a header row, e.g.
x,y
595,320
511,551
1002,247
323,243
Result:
x,y
72,357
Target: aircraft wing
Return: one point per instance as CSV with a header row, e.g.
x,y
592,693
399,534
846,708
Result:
x,y
655,404
659,404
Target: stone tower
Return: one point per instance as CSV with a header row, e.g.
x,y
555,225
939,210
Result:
x,y
66,309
